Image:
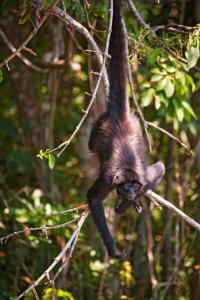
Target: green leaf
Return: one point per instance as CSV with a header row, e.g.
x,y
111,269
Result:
x,y
188,107
24,19
147,97
171,69
156,77
157,102
158,71
193,57
169,88
151,58
161,85
51,161
179,111
1,75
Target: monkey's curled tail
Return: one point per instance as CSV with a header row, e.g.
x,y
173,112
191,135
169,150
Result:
x,y
118,102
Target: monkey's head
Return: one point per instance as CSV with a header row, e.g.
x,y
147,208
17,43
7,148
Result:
x,y
130,184
128,190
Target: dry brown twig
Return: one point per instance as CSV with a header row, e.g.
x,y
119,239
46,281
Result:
x,y
70,245
42,228
20,55
72,23
27,40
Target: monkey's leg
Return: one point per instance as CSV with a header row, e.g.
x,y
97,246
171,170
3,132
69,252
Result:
x,y
96,194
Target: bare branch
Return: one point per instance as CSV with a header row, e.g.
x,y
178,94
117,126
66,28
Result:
x,y
67,247
154,197
42,228
72,23
21,56
28,39
173,137
64,212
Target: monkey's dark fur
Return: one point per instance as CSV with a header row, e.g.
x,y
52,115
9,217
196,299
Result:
x,y
117,141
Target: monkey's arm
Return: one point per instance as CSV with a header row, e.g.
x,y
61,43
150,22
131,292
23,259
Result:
x,y
96,194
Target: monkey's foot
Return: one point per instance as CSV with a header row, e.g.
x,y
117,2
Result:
x,y
120,256
137,207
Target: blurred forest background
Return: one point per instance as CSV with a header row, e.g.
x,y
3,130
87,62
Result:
x,y
44,91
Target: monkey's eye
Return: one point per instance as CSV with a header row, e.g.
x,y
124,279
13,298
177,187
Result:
x,y
127,186
136,186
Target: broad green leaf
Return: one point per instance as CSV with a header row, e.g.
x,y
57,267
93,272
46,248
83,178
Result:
x,y
188,107
192,55
171,69
156,77
151,58
22,219
147,97
161,85
51,161
164,99
146,84
158,71
157,101
179,110
169,88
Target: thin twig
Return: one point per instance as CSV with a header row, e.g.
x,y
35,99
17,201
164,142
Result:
x,y
64,212
72,23
79,27
43,228
21,56
67,246
173,137
28,39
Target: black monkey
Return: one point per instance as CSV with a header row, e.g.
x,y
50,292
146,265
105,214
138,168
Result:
x,y
117,141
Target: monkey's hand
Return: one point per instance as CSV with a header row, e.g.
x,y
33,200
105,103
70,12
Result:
x,y
120,256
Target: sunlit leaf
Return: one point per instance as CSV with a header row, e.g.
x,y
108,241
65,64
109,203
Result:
x,y
171,69
147,97
188,107
179,111
157,101
192,56
51,161
156,77
161,85
169,88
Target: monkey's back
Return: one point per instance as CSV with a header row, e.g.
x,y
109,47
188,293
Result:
x,y
113,138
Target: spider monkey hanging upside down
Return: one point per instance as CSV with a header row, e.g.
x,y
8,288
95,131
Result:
x,y
117,141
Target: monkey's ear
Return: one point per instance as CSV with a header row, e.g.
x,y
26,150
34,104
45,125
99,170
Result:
x,y
117,178
154,175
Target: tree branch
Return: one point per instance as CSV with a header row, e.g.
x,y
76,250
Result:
x,y
21,56
154,197
72,23
68,246
28,39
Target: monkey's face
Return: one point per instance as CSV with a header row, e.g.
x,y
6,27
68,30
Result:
x,y
128,190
